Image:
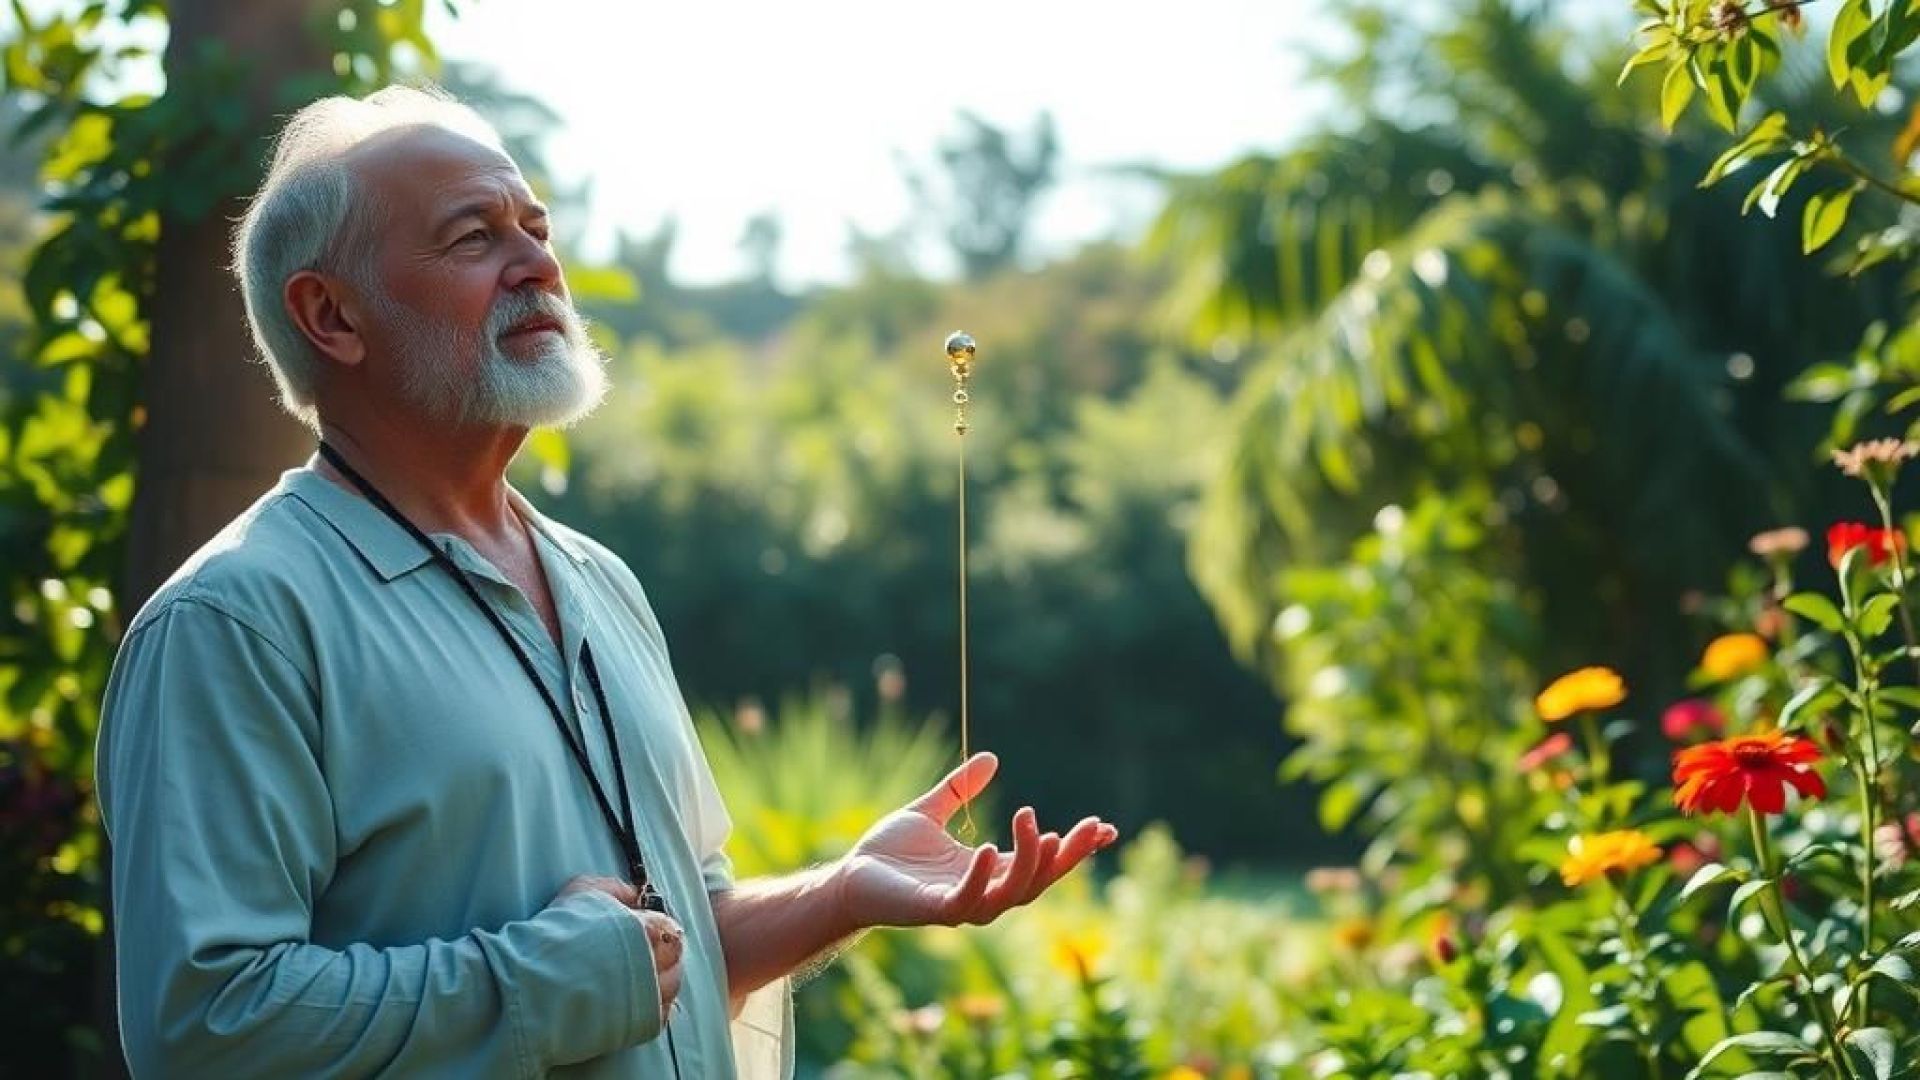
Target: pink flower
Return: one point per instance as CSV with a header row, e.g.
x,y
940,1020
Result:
x,y
1684,719
1550,747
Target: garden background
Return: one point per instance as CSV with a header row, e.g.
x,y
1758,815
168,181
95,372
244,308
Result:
x,y
1289,514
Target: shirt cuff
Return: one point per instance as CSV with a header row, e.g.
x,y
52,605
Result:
x,y
631,955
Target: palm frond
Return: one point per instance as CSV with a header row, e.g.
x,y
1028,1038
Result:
x,y
1267,242
1492,341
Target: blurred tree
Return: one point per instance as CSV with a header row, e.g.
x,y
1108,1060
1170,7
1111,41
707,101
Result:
x,y
1486,277
760,244
985,205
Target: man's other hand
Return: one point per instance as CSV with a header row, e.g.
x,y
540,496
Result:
x,y
665,935
907,871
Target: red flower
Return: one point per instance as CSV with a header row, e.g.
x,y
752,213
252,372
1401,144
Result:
x,y
1685,718
1718,776
1550,747
1880,543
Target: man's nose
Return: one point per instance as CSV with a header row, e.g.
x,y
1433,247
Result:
x,y
535,266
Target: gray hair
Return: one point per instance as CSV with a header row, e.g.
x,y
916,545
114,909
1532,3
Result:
x,y
308,215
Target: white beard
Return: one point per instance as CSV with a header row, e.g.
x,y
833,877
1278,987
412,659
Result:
x,y
556,379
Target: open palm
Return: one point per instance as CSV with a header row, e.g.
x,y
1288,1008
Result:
x,y
908,871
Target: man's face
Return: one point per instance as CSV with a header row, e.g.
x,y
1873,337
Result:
x,y
466,297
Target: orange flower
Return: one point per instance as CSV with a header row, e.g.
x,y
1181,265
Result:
x,y
1733,655
1596,855
1717,776
1880,543
1579,691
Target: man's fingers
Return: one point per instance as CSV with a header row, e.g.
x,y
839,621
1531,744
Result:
x,y
959,788
669,988
666,937
1049,851
1010,889
965,898
1087,837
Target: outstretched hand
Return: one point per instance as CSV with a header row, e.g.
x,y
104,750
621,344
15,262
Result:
x,y
907,870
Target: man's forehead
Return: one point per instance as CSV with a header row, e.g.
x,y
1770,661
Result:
x,y
433,166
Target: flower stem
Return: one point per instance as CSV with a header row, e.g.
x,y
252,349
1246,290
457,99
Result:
x,y
1774,904
1637,964
1602,761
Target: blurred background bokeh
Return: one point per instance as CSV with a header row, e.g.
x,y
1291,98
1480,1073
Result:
x,y
1347,369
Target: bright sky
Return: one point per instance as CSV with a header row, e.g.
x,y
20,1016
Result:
x,y
713,112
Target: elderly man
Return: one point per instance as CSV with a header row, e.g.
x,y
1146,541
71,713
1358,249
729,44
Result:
x,y
395,769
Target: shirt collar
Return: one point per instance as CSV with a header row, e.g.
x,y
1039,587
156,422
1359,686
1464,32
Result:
x,y
389,549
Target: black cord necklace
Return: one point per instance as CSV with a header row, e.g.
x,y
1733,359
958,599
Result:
x,y
623,824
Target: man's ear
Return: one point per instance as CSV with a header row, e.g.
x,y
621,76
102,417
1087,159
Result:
x,y
319,306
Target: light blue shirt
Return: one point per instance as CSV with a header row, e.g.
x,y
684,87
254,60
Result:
x,y
340,813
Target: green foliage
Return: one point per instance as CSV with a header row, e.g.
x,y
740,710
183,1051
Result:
x,y
1149,975
114,168
1407,678
1726,51
803,785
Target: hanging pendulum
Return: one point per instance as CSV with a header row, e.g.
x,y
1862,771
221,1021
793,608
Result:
x,y
960,358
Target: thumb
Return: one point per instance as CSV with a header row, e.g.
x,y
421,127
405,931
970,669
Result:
x,y
959,787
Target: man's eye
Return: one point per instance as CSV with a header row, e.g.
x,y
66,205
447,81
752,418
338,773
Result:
x,y
472,235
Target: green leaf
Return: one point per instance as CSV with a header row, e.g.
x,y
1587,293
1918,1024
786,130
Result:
x,y
1814,851
1744,893
1825,215
1658,49
1710,874
1609,1016
1907,697
1717,81
1816,609
1759,1043
1815,697
1876,614
1878,1047
1675,91
1899,970
1766,137
1823,383
1342,800
1768,192
1852,20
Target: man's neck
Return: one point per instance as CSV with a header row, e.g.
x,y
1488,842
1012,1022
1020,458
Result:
x,y
454,482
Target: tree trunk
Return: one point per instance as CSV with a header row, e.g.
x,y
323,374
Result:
x,y
215,438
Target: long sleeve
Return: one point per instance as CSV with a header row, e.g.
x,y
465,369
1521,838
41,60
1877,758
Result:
x,y
222,826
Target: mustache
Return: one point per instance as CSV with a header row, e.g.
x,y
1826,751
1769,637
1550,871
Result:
x,y
518,307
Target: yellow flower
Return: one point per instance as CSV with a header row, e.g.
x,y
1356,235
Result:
x,y
1077,952
1184,1072
1596,855
1353,934
1733,655
1590,688
980,1007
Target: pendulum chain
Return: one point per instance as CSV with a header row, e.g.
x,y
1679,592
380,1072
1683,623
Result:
x,y
960,351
